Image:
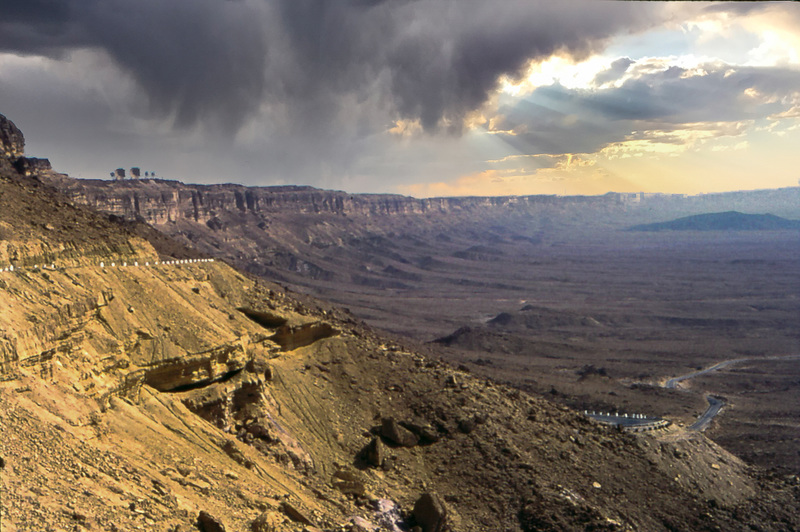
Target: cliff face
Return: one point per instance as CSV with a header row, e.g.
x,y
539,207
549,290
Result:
x,y
160,201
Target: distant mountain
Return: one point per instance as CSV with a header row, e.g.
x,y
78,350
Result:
x,y
723,221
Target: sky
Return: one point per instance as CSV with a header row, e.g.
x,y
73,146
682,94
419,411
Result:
x,y
418,97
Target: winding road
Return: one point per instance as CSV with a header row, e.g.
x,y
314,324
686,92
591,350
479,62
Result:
x,y
715,404
675,381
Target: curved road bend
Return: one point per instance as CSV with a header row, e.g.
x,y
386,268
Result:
x,y
715,404
675,381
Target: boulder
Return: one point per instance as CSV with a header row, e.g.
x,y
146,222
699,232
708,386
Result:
x,y
398,434
208,523
430,513
267,522
467,425
359,524
375,452
294,514
425,432
348,482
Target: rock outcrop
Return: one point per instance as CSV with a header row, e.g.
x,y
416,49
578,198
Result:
x,y
12,150
12,142
291,337
32,165
374,453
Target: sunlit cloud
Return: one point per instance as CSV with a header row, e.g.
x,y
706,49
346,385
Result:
x,y
794,112
406,128
556,69
569,174
776,27
743,145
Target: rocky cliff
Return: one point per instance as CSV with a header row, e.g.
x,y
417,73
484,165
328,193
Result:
x,y
161,201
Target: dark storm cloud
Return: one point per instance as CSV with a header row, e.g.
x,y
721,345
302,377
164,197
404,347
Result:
x,y
678,96
305,62
739,8
466,46
192,59
555,119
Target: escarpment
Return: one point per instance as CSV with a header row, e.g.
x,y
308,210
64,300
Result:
x,y
161,201
143,392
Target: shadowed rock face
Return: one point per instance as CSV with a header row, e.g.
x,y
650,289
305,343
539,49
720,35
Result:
x,y
12,143
12,150
32,165
294,337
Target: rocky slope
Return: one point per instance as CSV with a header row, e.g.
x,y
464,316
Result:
x,y
187,396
